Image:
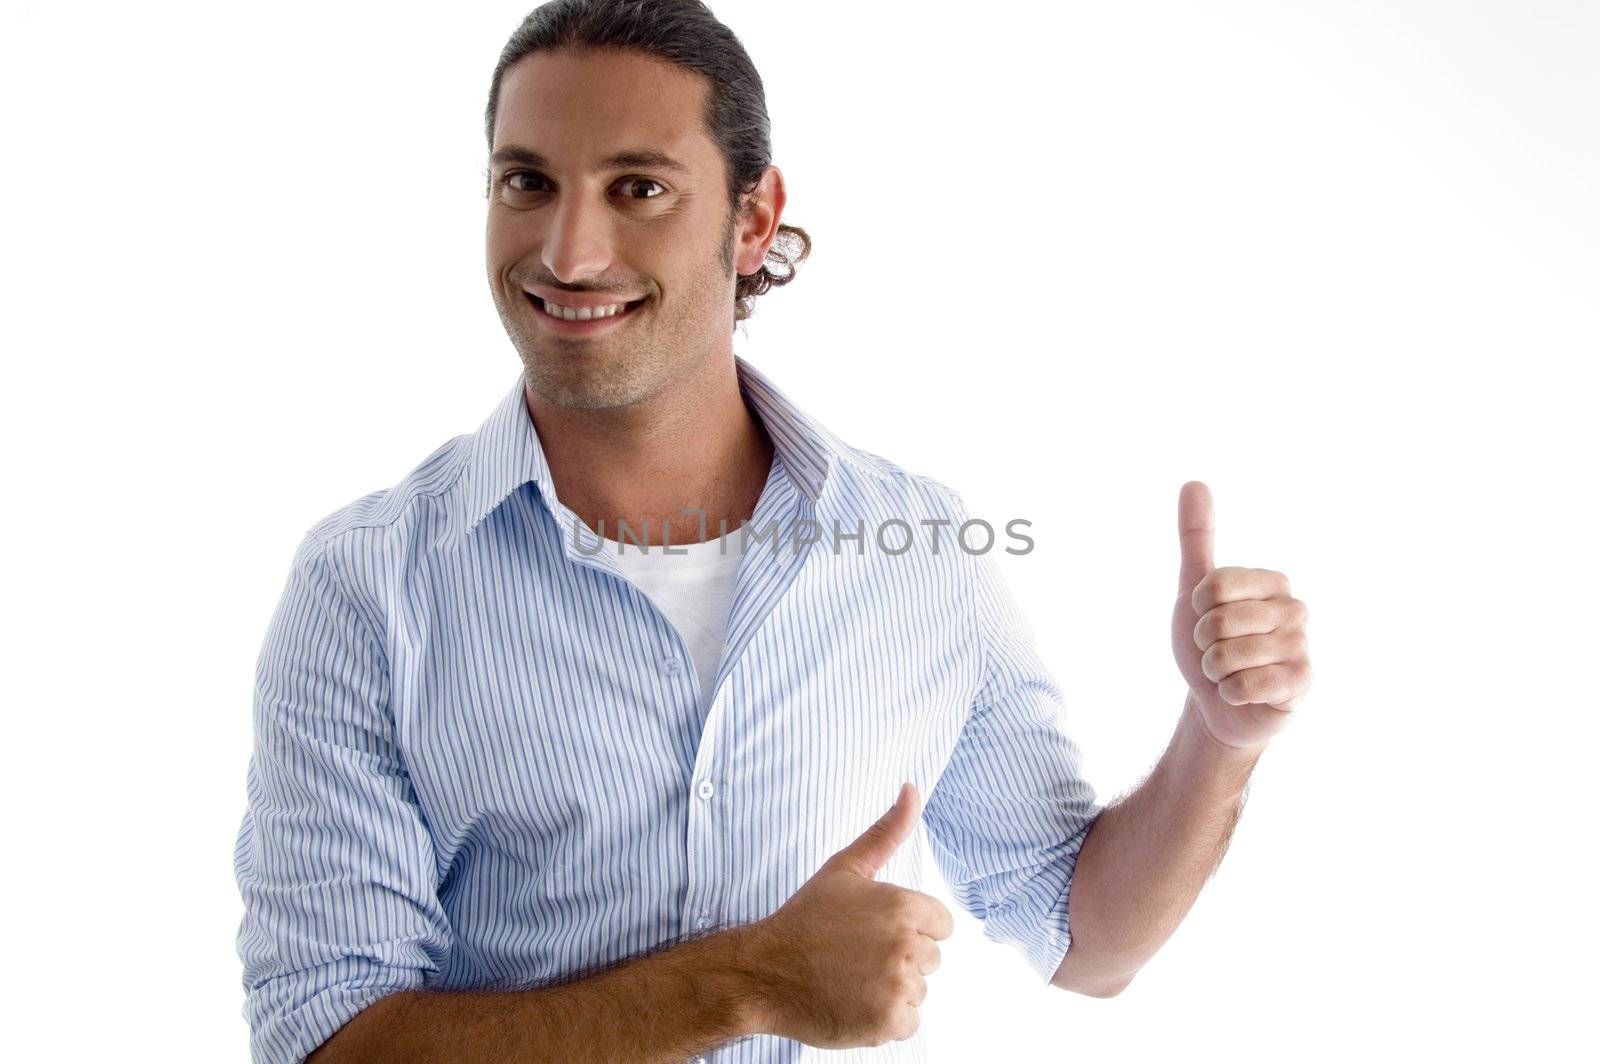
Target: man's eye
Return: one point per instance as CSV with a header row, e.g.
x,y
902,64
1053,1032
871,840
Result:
x,y
510,180
643,181
513,178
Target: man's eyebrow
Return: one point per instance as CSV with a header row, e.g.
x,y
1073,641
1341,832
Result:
x,y
639,159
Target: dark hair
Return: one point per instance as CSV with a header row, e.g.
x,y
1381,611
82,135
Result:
x,y
686,33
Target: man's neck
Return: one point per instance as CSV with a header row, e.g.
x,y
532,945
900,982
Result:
x,y
696,445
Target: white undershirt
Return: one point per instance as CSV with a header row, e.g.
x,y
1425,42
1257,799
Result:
x,y
694,589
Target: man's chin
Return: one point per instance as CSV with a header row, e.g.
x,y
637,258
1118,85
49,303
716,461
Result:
x,y
574,383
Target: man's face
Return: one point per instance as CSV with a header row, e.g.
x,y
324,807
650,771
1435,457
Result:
x,y
639,233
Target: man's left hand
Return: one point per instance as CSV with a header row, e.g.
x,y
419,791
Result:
x,y
1238,635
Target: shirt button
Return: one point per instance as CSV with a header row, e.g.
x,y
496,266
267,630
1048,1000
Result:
x,y
671,666
705,921
706,789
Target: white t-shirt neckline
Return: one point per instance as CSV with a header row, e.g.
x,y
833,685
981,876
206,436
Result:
x,y
715,552
693,586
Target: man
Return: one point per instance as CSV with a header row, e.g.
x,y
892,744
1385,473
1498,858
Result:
x,y
517,796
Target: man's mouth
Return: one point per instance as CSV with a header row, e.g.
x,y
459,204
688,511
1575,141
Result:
x,y
581,315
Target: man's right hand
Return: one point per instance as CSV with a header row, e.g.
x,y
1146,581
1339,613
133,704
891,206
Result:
x,y
842,962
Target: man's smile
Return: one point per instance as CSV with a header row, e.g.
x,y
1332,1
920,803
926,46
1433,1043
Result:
x,y
581,314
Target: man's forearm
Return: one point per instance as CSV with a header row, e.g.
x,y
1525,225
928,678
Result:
x,y
663,1007
1147,856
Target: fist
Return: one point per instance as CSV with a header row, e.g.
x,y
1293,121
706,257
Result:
x,y
843,962
1238,635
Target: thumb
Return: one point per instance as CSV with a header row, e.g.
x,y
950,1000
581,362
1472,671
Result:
x,y
1194,535
872,848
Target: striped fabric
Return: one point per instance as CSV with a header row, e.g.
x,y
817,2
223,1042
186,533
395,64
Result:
x,y
480,759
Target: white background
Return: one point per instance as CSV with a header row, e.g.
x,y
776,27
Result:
x,y
1338,260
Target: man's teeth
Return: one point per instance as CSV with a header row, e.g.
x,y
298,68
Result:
x,y
581,313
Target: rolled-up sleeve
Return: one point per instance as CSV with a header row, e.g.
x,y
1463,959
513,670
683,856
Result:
x,y
1011,810
334,861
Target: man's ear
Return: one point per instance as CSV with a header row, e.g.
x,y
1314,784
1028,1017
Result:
x,y
757,226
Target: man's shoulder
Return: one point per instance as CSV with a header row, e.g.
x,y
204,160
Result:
x,y
417,502
874,473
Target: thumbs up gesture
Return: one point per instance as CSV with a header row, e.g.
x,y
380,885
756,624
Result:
x,y
1238,635
842,962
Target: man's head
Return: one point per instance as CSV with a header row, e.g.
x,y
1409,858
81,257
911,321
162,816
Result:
x,y
682,233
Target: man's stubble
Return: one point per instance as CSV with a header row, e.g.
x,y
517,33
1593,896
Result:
x,y
636,363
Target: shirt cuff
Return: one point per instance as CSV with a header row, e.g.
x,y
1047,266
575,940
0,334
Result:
x,y
289,1037
1036,918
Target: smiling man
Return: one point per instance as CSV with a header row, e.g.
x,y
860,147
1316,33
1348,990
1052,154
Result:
x,y
523,791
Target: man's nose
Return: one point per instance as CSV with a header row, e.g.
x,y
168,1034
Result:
x,y
580,240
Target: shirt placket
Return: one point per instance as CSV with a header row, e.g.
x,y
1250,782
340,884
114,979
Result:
x,y
765,576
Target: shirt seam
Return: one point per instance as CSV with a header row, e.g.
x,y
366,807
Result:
x,y
341,521
368,630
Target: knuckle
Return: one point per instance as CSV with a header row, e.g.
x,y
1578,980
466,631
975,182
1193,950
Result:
x,y
1213,662
890,1023
902,1025
1257,685
1237,618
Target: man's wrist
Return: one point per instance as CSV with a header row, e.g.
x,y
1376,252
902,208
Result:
x,y
740,960
1205,760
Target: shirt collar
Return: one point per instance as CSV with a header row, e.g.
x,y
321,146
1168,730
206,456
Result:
x,y
505,452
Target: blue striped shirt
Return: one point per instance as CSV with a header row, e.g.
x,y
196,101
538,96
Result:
x,y
481,758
